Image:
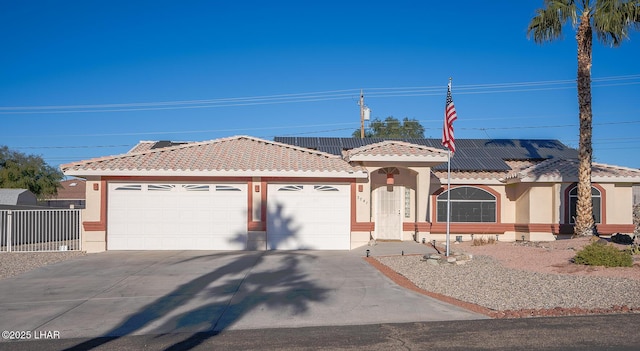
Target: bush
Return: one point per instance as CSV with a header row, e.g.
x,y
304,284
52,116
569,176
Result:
x,y
483,241
599,254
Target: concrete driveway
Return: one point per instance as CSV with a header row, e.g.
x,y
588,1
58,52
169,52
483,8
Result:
x,y
135,293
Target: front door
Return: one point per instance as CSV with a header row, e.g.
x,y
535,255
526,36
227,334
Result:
x,y
388,213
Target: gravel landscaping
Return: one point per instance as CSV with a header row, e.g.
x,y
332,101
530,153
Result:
x,y
485,282
516,280
14,263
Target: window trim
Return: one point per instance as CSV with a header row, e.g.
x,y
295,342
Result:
x,y
567,202
492,192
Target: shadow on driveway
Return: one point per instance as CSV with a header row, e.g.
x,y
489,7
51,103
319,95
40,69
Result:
x,y
265,289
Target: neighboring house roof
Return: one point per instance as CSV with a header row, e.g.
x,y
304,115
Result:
x,y
233,156
471,154
17,197
399,150
566,170
71,189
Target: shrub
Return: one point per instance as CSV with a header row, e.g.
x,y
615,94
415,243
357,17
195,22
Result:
x,y
599,254
483,241
634,249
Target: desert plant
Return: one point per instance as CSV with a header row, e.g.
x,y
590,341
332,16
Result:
x,y
483,241
600,254
634,249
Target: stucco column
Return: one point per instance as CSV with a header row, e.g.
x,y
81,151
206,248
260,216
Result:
x,y
422,193
423,185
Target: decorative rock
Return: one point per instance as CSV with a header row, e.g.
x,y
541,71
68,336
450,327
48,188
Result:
x,y
456,258
433,262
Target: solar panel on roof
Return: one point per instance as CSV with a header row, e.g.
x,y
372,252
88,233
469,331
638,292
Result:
x,y
463,143
335,150
350,143
329,142
285,140
310,142
472,154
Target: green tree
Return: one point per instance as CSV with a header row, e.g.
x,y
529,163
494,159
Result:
x,y
611,20
392,128
21,171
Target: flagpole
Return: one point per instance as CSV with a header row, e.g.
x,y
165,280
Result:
x,y
450,115
448,198
448,240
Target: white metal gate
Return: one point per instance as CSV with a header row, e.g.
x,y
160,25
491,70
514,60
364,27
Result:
x,y
40,230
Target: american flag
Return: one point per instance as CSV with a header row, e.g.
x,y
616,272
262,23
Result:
x,y
450,115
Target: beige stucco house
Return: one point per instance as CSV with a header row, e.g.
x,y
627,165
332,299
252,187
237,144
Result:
x,y
242,192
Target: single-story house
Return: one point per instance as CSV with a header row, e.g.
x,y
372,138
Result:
x,y
242,192
71,194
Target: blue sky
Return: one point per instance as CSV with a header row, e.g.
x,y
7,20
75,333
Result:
x,y
83,79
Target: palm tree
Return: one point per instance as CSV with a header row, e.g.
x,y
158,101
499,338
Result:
x,y
611,20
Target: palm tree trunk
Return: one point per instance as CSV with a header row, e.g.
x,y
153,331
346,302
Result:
x,y
584,223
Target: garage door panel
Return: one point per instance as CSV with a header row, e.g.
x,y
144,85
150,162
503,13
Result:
x,y
307,216
176,217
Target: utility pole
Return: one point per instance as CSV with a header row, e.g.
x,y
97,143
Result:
x,y
361,114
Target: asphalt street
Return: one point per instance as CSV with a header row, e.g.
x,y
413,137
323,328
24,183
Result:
x,y
601,332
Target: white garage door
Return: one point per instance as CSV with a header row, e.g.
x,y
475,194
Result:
x,y
308,216
171,216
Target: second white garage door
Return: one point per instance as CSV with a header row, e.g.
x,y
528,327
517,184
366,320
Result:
x,y
170,216
308,216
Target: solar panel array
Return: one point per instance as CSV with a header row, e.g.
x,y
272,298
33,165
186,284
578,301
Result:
x,y
471,154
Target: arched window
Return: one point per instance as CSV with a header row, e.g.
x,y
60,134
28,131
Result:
x,y
596,198
468,204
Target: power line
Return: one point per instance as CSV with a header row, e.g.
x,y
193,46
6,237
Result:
x,y
316,96
596,140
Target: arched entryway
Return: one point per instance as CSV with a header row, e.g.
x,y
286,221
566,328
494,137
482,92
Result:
x,y
392,203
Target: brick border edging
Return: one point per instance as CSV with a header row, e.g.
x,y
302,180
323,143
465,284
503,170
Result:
x,y
407,284
524,313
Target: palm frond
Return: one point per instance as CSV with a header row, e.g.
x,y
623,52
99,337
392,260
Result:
x,y
613,19
548,22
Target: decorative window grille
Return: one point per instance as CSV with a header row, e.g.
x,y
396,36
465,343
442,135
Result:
x,y
134,187
160,187
196,187
226,188
325,188
291,188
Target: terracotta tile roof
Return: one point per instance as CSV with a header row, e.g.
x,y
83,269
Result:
x,y
567,170
394,148
551,170
142,146
239,153
515,165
